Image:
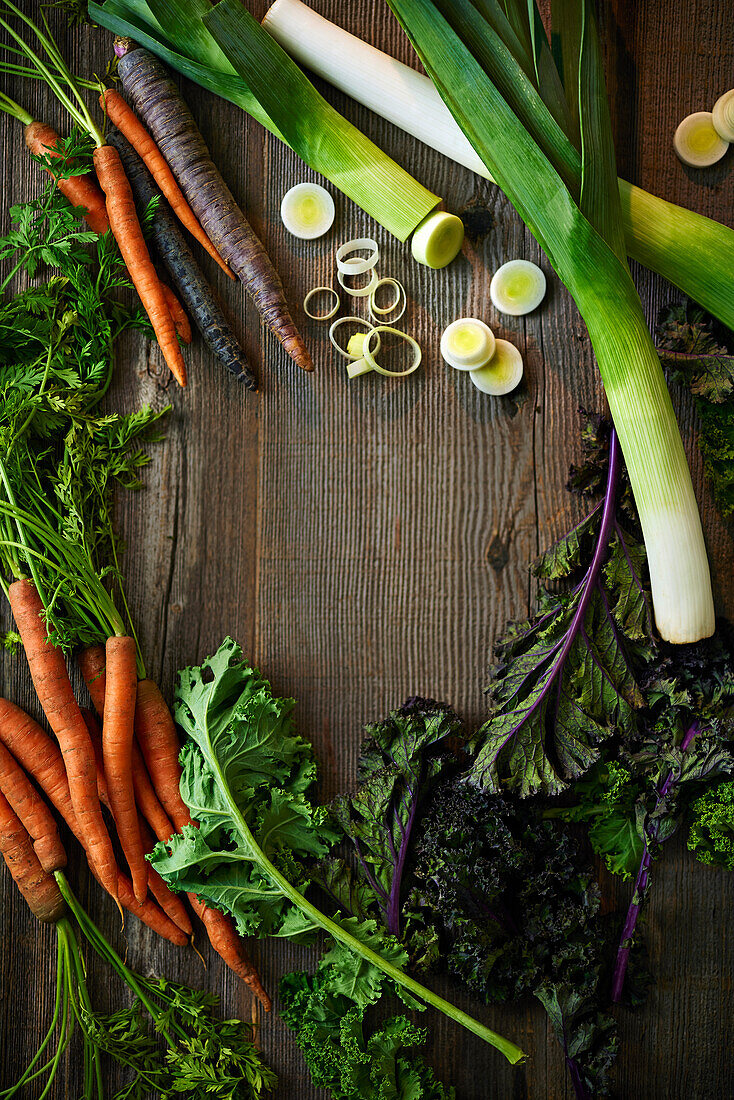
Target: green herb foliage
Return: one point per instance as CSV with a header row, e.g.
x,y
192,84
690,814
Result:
x,y
63,456
699,353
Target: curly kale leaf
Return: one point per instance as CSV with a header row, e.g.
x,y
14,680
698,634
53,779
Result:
x,y
691,349
607,803
242,756
400,760
700,354
565,681
711,826
516,909
347,1057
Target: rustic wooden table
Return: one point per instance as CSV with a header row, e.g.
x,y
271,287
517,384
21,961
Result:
x,y
366,541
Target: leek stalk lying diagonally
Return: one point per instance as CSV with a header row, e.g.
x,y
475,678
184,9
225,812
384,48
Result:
x,y
693,252
574,236
174,30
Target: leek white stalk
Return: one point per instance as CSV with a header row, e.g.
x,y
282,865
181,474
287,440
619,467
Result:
x,y
691,251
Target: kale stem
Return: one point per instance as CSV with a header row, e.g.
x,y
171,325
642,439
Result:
x,y
512,1053
649,849
579,1088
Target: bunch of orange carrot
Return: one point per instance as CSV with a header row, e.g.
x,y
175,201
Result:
x,y
130,766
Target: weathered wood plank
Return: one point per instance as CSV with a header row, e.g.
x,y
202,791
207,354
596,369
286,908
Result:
x,y
367,541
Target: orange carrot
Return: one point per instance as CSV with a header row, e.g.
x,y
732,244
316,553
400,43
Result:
x,y
117,740
227,943
37,886
95,734
169,902
32,811
149,913
42,140
129,236
178,313
92,662
128,123
36,752
55,693
158,741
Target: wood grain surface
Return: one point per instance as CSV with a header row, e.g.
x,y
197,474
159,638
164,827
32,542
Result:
x,y
366,541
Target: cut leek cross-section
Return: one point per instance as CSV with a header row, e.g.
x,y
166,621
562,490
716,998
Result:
x,y
697,142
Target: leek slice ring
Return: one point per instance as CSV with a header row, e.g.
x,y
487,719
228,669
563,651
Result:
x,y
321,316
357,265
376,312
369,356
361,291
342,321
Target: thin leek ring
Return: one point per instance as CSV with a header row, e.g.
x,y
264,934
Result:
x,y
369,356
341,321
358,292
376,312
358,265
321,316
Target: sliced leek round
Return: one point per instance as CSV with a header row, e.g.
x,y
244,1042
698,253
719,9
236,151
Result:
x,y
312,294
369,353
357,265
722,116
467,344
438,239
696,141
502,373
517,288
307,211
358,291
344,321
399,301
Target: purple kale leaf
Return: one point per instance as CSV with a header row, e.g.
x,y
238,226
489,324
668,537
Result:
x,y
565,679
400,760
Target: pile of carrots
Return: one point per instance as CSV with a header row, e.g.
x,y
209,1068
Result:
x,y
181,166
130,766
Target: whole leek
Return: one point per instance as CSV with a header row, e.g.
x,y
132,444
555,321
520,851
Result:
x,y
605,294
693,252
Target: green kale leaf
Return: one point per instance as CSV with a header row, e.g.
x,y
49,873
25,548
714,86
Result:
x,y
711,826
343,1054
399,762
699,353
565,680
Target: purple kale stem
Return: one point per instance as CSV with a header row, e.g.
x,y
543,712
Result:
x,y
608,520
392,914
582,1093
650,843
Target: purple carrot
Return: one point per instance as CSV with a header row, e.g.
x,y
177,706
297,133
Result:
x,y
158,101
649,845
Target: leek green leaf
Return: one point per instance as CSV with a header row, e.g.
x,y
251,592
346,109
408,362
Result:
x,y
311,126
605,294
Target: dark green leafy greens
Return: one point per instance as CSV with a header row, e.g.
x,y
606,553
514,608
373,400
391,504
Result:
x,y
699,353
516,908
343,1055
246,777
565,680
399,761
